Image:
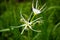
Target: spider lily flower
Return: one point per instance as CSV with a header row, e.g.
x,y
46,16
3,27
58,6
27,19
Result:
x,y
36,10
28,24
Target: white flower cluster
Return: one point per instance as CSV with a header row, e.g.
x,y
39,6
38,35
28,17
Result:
x,y
28,24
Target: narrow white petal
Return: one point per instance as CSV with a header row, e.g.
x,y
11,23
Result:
x,y
30,17
43,6
12,27
36,3
23,18
36,19
23,29
34,30
43,9
33,4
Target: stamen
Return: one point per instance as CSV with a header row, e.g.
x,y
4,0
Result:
x,y
43,6
43,9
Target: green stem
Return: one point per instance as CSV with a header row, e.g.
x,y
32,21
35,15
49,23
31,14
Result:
x,y
30,32
33,17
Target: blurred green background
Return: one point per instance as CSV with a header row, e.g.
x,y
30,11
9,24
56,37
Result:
x,y
10,16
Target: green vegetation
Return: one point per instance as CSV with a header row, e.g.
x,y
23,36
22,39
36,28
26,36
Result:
x,y
10,20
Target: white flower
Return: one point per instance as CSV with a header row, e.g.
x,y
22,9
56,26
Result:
x,y
28,24
36,10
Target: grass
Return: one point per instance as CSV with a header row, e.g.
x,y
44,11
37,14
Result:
x,y
10,16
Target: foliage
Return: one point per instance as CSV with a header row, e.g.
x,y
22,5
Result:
x,y
10,16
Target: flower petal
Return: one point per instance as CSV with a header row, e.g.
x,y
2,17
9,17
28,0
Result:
x,y
24,29
34,30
